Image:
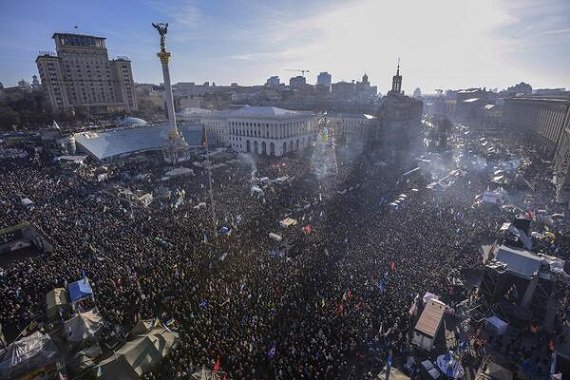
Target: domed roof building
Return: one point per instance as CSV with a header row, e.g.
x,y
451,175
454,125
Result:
x,y
129,122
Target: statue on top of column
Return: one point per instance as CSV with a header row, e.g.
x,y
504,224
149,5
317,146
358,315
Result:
x,y
162,29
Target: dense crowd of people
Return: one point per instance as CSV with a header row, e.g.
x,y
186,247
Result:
x,y
333,305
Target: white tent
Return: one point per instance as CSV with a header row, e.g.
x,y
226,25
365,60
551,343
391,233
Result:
x,y
275,236
429,296
26,202
200,205
83,326
256,190
497,324
176,172
72,159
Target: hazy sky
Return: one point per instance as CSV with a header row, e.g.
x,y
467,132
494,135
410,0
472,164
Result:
x,y
442,43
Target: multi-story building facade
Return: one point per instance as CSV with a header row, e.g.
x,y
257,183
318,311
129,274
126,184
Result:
x,y
298,82
262,130
324,81
216,126
470,105
81,74
543,117
353,130
273,82
547,120
400,119
562,163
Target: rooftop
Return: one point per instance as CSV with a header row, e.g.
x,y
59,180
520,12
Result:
x,y
75,35
431,317
518,261
122,142
266,111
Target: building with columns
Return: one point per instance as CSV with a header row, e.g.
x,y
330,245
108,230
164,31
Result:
x,y
562,163
547,121
81,74
541,116
262,130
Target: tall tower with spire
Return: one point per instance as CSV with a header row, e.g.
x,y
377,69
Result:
x,y
397,81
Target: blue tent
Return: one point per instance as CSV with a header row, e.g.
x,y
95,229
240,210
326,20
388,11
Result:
x,y
79,290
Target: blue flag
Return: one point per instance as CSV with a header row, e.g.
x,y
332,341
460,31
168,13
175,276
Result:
x,y
272,350
381,286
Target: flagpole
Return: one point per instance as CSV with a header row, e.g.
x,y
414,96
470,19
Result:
x,y
210,183
389,365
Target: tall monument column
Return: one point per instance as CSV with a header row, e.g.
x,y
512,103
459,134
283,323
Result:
x,y
164,60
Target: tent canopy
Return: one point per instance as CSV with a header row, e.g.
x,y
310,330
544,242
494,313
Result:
x,y
142,327
179,171
27,354
275,236
498,372
26,202
138,356
79,290
83,326
55,299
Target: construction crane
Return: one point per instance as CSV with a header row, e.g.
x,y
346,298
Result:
x,y
302,71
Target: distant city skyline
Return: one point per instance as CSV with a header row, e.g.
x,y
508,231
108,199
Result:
x,y
445,44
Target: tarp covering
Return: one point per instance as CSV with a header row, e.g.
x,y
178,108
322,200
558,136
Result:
x,y
146,199
138,356
142,327
26,202
288,222
83,326
491,197
55,299
429,296
179,171
85,358
79,290
32,352
497,324
74,159
497,372
205,374
275,236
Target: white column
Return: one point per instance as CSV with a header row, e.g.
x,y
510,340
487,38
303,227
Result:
x,y
168,96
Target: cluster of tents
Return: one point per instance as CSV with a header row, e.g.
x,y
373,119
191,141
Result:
x,y
61,301
148,343
75,342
